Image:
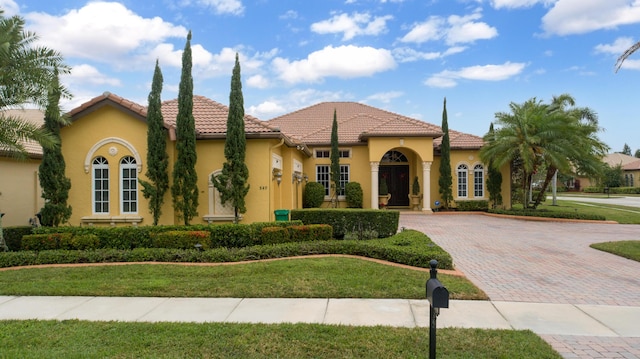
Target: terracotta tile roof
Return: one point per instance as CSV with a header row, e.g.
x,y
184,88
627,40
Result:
x,y
356,122
461,141
34,116
614,159
632,166
108,98
211,119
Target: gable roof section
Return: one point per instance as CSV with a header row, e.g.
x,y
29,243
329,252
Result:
x,y
106,99
460,141
211,119
632,166
356,122
614,159
35,117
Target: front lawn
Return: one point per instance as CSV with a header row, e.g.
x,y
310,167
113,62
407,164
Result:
x,y
627,249
77,339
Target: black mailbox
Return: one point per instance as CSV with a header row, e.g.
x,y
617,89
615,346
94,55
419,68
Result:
x,y
437,294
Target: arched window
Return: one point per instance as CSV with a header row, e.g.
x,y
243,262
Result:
x,y
631,180
128,185
394,157
462,180
478,180
100,184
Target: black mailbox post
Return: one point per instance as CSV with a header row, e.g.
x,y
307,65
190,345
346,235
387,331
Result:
x,y
438,297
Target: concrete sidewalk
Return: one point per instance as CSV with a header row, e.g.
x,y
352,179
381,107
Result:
x,y
541,318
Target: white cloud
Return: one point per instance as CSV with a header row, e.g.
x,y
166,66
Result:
x,y
102,31
502,72
294,100
631,64
290,14
514,4
343,61
265,110
352,25
10,7
619,46
568,17
258,81
454,30
233,7
406,54
87,74
384,97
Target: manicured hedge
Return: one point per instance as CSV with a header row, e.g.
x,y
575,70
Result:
x,y
182,239
13,236
612,190
408,247
472,205
41,242
548,214
343,221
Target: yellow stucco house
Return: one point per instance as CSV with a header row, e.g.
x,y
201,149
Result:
x,y
20,192
105,153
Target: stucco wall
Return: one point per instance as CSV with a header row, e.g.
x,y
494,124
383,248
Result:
x,y
20,193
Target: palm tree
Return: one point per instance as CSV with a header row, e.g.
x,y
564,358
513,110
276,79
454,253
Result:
x,y
551,137
27,73
626,54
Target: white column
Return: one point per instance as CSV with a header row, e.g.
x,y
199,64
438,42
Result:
x,y
426,184
375,168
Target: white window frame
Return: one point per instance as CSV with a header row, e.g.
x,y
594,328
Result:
x,y
345,173
462,175
478,180
100,167
128,185
323,176
321,152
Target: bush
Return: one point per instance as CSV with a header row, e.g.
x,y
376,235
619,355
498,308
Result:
x,y
85,241
231,235
472,205
256,228
343,221
41,242
274,235
548,214
13,236
311,232
353,194
182,239
313,195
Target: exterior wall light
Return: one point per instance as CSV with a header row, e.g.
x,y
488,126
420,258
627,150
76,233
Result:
x,y
277,175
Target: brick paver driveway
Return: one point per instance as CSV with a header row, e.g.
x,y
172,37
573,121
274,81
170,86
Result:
x,y
549,262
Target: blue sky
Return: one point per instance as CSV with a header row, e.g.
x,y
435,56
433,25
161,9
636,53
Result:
x,y
400,55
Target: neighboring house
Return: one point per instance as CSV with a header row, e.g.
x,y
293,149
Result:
x,y
630,165
105,154
20,192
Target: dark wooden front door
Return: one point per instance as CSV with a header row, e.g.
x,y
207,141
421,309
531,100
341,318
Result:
x,y
398,182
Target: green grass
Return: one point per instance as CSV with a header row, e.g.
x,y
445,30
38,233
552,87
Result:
x,y
620,214
332,277
627,249
77,339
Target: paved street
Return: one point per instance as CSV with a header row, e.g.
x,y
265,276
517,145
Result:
x,y
614,200
546,262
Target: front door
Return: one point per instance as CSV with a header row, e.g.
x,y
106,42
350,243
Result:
x,y
398,182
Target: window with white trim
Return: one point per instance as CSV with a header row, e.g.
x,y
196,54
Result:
x,y
478,180
100,184
324,153
128,185
462,172
323,176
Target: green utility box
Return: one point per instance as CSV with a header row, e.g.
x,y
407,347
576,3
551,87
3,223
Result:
x,y
282,214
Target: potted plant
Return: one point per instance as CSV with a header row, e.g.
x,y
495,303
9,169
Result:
x,y
383,193
415,197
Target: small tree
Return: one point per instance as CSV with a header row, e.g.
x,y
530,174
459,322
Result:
x,y
353,194
335,160
157,157
313,195
626,150
637,154
445,179
494,177
185,178
232,182
55,186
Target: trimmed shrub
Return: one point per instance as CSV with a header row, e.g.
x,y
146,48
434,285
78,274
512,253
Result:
x,y
41,242
274,235
13,236
313,195
256,228
548,214
231,235
343,221
85,241
472,205
182,239
353,194
311,232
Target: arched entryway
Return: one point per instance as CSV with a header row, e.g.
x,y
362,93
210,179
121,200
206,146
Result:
x,y
394,168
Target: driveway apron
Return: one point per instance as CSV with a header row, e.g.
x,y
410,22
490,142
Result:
x,y
530,261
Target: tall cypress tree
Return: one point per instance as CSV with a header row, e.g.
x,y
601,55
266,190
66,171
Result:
x,y
55,186
157,157
335,159
185,178
232,182
445,179
494,177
